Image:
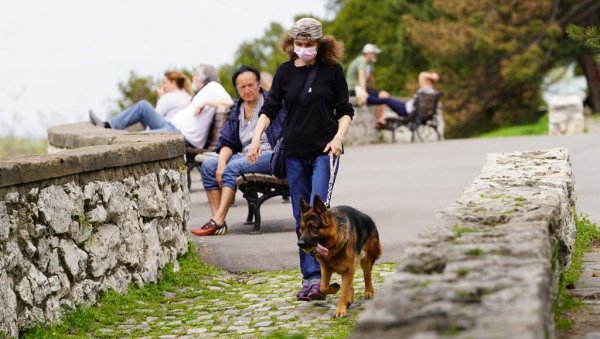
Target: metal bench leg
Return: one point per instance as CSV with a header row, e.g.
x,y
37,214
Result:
x,y
252,198
393,131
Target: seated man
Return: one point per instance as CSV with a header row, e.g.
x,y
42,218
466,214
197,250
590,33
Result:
x,y
361,81
219,174
193,121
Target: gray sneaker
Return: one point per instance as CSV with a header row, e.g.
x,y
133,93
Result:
x,y
95,120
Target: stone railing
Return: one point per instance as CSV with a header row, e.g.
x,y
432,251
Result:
x,y
87,219
488,266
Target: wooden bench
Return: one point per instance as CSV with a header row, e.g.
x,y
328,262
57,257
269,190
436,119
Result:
x,y
191,153
258,188
424,114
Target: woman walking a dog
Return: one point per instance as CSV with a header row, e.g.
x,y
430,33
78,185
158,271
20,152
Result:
x,y
312,88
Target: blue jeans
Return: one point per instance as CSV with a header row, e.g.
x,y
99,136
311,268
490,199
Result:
x,y
236,165
308,177
142,112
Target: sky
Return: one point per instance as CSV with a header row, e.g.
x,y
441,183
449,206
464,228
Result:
x,y
60,58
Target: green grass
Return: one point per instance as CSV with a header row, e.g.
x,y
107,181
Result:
x,y
538,128
185,296
586,234
113,306
14,146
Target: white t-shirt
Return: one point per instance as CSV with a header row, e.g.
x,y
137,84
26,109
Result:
x,y
170,103
195,129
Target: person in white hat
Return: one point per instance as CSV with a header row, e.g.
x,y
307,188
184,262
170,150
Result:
x,y
361,81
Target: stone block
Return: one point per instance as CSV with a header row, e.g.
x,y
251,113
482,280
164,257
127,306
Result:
x,y
565,115
55,208
8,306
102,249
488,266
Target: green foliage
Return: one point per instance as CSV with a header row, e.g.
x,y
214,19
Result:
x,y
136,88
586,233
491,55
262,53
381,22
14,145
589,36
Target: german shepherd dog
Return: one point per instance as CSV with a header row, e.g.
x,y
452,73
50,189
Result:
x,y
339,238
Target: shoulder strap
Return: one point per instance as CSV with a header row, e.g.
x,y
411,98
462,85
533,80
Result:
x,y
307,88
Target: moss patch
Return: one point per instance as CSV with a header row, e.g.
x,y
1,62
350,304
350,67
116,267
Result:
x,y
586,234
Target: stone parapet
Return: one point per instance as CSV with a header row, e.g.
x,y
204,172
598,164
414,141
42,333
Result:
x,y
488,266
88,219
362,131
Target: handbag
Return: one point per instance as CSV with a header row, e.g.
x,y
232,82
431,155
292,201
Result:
x,y
277,161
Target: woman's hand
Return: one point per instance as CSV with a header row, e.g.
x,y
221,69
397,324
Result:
x,y
253,153
334,146
160,91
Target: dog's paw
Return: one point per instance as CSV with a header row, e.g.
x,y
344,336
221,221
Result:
x,y
339,313
369,294
334,288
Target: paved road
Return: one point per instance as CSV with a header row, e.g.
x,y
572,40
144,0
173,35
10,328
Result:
x,y
402,187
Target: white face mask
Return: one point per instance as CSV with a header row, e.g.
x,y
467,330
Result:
x,y
306,54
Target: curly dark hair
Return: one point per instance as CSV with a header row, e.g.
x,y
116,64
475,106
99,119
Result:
x,y
329,50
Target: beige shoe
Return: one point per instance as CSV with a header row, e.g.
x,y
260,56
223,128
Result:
x,y
361,95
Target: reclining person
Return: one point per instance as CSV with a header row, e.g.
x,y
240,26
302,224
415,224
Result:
x,y
193,121
219,175
427,82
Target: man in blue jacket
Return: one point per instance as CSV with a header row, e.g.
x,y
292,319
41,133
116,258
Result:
x,y
219,174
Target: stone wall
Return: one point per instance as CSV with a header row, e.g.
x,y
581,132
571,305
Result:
x,y
488,266
81,221
362,131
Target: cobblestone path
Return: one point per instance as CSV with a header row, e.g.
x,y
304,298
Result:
x,y
242,306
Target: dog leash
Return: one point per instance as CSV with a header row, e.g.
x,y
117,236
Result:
x,y
334,163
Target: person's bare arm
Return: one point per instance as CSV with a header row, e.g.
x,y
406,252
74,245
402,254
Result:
x,y
335,145
225,102
362,79
254,150
428,78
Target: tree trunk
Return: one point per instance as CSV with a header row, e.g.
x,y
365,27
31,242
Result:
x,y
592,75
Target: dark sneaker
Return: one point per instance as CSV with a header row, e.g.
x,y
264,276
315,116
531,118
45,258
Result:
x,y
303,294
314,293
95,120
211,228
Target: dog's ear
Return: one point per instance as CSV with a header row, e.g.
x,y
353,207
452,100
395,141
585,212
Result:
x,y
304,206
318,205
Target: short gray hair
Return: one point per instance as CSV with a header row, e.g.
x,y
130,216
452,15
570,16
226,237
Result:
x,y
206,73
